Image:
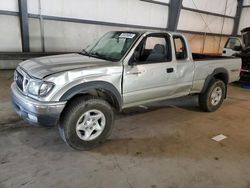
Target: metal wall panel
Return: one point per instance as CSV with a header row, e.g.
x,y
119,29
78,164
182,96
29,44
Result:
x,y
214,6
10,34
10,5
244,20
116,11
63,35
67,36
192,21
35,35
246,2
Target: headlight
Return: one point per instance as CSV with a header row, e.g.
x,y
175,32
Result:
x,y
39,88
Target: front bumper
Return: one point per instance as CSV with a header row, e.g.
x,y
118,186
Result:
x,y
36,112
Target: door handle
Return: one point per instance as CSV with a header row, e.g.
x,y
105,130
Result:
x,y
169,70
134,73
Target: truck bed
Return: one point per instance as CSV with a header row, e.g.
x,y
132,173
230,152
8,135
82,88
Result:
x,y
206,64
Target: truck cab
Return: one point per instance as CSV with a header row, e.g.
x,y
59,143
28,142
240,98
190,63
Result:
x,y
232,47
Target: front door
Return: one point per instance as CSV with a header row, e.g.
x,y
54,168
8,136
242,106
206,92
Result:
x,y
156,74
154,68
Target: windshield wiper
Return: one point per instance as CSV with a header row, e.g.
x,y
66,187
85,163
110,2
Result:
x,y
84,52
97,55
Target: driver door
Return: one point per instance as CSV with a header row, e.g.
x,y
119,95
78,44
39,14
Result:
x,y
146,80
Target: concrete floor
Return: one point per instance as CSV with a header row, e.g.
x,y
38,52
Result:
x,y
167,145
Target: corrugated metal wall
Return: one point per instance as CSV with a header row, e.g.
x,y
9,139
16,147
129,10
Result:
x,y
10,36
245,16
193,21
72,25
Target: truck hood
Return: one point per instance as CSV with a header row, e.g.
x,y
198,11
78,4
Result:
x,y
44,66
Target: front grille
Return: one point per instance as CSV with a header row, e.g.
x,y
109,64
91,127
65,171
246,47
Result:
x,y
19,80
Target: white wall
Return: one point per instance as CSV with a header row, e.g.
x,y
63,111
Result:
x,y
9,27
245,19
204,23
10,34
11,5
208,23
215,6
68,36
245,15
133,12
35,35
246,2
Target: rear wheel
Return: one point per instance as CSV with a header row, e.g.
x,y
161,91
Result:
x,y
213,97
86,123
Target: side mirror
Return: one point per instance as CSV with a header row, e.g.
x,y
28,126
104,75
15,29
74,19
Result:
x,y
134,58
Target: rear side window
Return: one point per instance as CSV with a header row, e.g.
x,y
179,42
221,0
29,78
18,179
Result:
x,y
180,48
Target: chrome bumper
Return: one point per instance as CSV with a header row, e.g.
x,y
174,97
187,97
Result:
x,y
36,112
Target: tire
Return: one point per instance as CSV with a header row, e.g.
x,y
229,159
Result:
x,y
209,101
81,117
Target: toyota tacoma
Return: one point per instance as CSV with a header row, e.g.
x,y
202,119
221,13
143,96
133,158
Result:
x,y
80,92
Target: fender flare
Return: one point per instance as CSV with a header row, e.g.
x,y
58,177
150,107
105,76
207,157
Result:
x,y
85,87
211,76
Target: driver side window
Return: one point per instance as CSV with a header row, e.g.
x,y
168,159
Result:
x,y
233,43
154,49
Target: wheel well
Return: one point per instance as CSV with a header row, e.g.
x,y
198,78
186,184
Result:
x,y
99,93
222,76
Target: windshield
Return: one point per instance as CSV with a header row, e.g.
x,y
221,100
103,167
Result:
x,y
112,46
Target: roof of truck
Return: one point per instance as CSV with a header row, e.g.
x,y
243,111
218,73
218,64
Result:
x,y
149,31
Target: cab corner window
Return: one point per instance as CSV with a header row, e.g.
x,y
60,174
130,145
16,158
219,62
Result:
x,y
180,48
154,49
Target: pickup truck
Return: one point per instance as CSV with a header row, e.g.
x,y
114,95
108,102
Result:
x,y
80,92
240,47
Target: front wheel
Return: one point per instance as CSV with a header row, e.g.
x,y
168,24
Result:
x,y
213,97
86,123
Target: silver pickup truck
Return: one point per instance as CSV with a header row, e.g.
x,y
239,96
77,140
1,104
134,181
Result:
x,y
79,92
